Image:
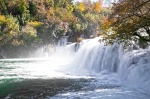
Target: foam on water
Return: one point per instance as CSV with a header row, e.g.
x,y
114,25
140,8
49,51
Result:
x,y
113,73
127,68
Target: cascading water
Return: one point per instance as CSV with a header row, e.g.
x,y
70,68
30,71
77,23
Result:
x,y
85,70
133,67
96,57
61,49
64,49
2,53
63,41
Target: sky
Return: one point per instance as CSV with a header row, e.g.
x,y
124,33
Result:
x,y
105,2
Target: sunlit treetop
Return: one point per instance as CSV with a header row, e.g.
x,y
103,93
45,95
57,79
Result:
x,y
96,7
130,21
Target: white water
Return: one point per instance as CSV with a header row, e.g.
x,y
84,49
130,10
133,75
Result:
x,y
111,65
62,41
94,57
112,72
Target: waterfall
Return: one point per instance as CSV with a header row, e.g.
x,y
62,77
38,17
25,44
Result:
x,y
95,57
131,66
48,49
134,68
62,48
63,41
2,53
65,48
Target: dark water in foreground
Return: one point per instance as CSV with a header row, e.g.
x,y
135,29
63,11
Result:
x,y
38,88
34,78
42,79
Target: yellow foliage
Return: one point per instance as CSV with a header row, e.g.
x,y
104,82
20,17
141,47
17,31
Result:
x,y
3,19
81,6
35,24
12,24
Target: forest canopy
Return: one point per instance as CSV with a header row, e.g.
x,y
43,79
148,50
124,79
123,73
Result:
x,y
129,21
30,24
24,22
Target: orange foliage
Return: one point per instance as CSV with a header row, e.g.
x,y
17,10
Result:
x,y
96,7
80,39
106,24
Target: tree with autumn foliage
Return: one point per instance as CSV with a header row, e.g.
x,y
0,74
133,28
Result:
x,y
129,21
81,6
29,24
89,18
96,7
35,19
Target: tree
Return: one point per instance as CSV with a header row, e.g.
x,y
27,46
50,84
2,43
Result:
x,y
129,21
9,30
96,7
81,6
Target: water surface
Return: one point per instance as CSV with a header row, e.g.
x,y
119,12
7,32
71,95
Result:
x,y
46,79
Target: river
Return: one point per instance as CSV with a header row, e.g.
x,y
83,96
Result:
x,y
95,71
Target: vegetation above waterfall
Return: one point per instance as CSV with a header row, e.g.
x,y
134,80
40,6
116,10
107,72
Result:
x,y
29,24
129,21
